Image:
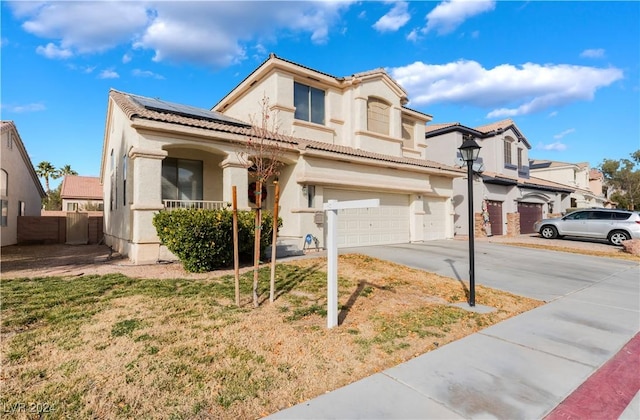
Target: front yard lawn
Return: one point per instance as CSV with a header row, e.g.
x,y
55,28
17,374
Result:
x,y
111,346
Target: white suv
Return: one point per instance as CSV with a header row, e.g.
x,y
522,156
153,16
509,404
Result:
x,y
614,225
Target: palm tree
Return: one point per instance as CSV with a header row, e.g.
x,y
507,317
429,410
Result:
x,y
46,170
65,170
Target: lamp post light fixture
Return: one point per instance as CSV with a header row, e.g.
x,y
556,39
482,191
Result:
x,y
470,151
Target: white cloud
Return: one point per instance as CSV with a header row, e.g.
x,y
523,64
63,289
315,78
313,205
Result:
x,y
397,17
413,35
204,32
33,107
126,58
147,73
593,53
217,33
556,146
450,14
564,133
84,26
510,90
108,74
54,52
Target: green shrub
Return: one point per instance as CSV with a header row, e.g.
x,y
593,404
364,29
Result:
x,y
203,239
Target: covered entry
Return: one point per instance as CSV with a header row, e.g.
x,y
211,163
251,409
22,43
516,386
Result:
x,y
387,224
529,214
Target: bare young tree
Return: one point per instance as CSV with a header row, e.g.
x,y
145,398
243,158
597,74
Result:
x,y
264,154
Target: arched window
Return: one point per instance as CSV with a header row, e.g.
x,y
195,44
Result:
x,y
4,183
378,116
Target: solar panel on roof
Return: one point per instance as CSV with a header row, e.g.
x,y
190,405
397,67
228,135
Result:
x,y
185,110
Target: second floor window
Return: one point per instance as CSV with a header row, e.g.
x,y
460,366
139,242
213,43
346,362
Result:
x,y
507,153
378,116
519,158
309,103
407,133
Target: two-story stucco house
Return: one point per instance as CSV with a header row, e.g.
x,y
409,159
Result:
x,y
575,175
21,193
503,188
343,138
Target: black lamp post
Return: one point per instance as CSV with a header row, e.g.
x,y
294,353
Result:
x,y
469,151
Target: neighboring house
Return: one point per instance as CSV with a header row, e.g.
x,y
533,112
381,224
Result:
x,y
344,138
503,188
575,175
21,193
81,193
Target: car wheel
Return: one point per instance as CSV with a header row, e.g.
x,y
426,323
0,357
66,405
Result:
x,y
618,236
549,232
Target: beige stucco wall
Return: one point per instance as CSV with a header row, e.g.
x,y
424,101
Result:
x,y
21,185
81,204
345,112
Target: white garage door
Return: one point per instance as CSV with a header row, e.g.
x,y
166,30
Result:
x,y
435,219
387,224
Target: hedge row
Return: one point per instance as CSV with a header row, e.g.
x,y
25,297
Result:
x,y
203,239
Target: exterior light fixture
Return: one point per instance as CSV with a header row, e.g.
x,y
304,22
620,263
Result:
x,y
470,151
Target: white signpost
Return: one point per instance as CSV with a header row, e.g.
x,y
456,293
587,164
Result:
x,y
332,207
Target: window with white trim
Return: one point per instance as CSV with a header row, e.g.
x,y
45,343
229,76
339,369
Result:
x,y
309,103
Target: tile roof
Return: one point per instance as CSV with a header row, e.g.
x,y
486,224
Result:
x,y
504,124
439,126
532,182
81,187
134,109
595,174
539,164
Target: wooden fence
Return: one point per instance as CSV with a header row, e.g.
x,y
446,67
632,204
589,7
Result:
x,y
53,229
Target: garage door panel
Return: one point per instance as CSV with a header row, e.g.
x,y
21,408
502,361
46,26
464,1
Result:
x,y
434,226
386,224
529,214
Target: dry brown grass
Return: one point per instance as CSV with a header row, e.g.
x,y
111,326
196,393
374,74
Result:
x,y
618,253
113,347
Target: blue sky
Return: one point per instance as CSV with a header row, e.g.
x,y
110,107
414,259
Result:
x,y
567,73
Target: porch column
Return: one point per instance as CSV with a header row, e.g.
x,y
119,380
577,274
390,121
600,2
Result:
x,y
147,200
234,172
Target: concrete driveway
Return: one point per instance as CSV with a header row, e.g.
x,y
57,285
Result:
x,y
535,273
523,367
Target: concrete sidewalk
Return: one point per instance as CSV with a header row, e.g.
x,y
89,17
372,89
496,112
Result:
x,y
522,368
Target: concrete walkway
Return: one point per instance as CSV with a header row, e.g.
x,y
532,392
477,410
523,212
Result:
x,y
521,368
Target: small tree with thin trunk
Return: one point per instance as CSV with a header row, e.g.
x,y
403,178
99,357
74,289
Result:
x,y
264,155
